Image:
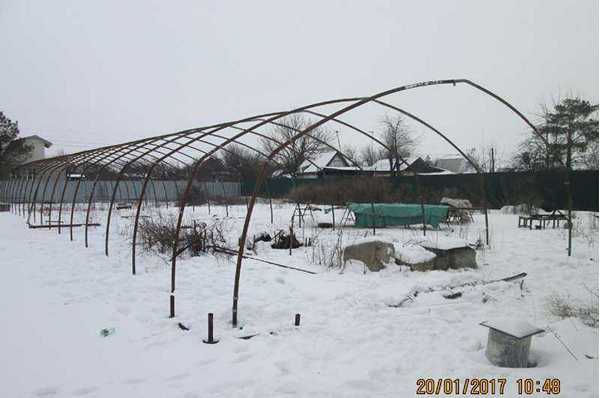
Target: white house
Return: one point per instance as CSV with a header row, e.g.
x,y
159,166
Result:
x,y
38,147
411,165
325,160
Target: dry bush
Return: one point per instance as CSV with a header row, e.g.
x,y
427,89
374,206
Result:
x,y
327,246
584,229
362,189
566,307
158,234
326,253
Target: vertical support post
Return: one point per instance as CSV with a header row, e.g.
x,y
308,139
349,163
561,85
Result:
x,y
569,193
172,305
373,217
420,193
271,205
423,216
291,234
332,217
484,202
210,327
210,339
487,225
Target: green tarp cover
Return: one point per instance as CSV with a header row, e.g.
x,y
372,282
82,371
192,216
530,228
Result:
x,y
388,214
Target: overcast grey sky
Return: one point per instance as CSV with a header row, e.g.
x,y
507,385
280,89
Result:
x,y
110,71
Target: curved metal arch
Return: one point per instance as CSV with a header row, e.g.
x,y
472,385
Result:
x,y
59,169
181,146
88,164
306,131
45,167
339,112
128,148
201,160
66,162
115,147
217,147
122,171
119,157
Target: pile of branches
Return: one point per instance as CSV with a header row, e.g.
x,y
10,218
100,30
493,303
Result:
x,y
284,240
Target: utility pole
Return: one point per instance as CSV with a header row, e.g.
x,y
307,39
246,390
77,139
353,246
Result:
x,y
493,163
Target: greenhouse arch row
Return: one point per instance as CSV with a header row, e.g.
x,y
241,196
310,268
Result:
x,y
27,188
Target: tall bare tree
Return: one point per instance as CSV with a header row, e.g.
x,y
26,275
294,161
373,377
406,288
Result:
x,y
369,155
485,158
398,138
306,147
351,155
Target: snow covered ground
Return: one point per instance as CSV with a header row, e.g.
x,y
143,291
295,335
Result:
x,y
56,296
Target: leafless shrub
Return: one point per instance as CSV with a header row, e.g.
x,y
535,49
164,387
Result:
x,y
566,307
353,190
158,233
362,189
584,229
326,252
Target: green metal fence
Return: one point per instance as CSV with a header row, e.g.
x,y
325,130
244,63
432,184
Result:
x,y
547,189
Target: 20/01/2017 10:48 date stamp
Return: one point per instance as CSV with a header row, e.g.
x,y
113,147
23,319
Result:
x,y
482,386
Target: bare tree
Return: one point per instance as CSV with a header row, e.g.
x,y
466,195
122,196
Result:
x,y
398,138
351,155
369,155
306,147
485,158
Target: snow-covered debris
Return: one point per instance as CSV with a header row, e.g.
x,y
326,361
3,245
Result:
x,y
412,253
443,242
508,210
515,327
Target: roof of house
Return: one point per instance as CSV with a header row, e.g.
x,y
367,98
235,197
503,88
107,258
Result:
x,y
46,143
455,163
320,162
384,164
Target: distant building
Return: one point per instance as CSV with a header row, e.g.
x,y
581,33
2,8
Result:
x,y
454,163
410,166
325,161
38,147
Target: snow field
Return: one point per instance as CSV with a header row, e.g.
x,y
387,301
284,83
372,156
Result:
x,y
57,295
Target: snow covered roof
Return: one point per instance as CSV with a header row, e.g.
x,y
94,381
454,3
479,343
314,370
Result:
x,y
454,163
384,164
320,162
349,168
280,173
